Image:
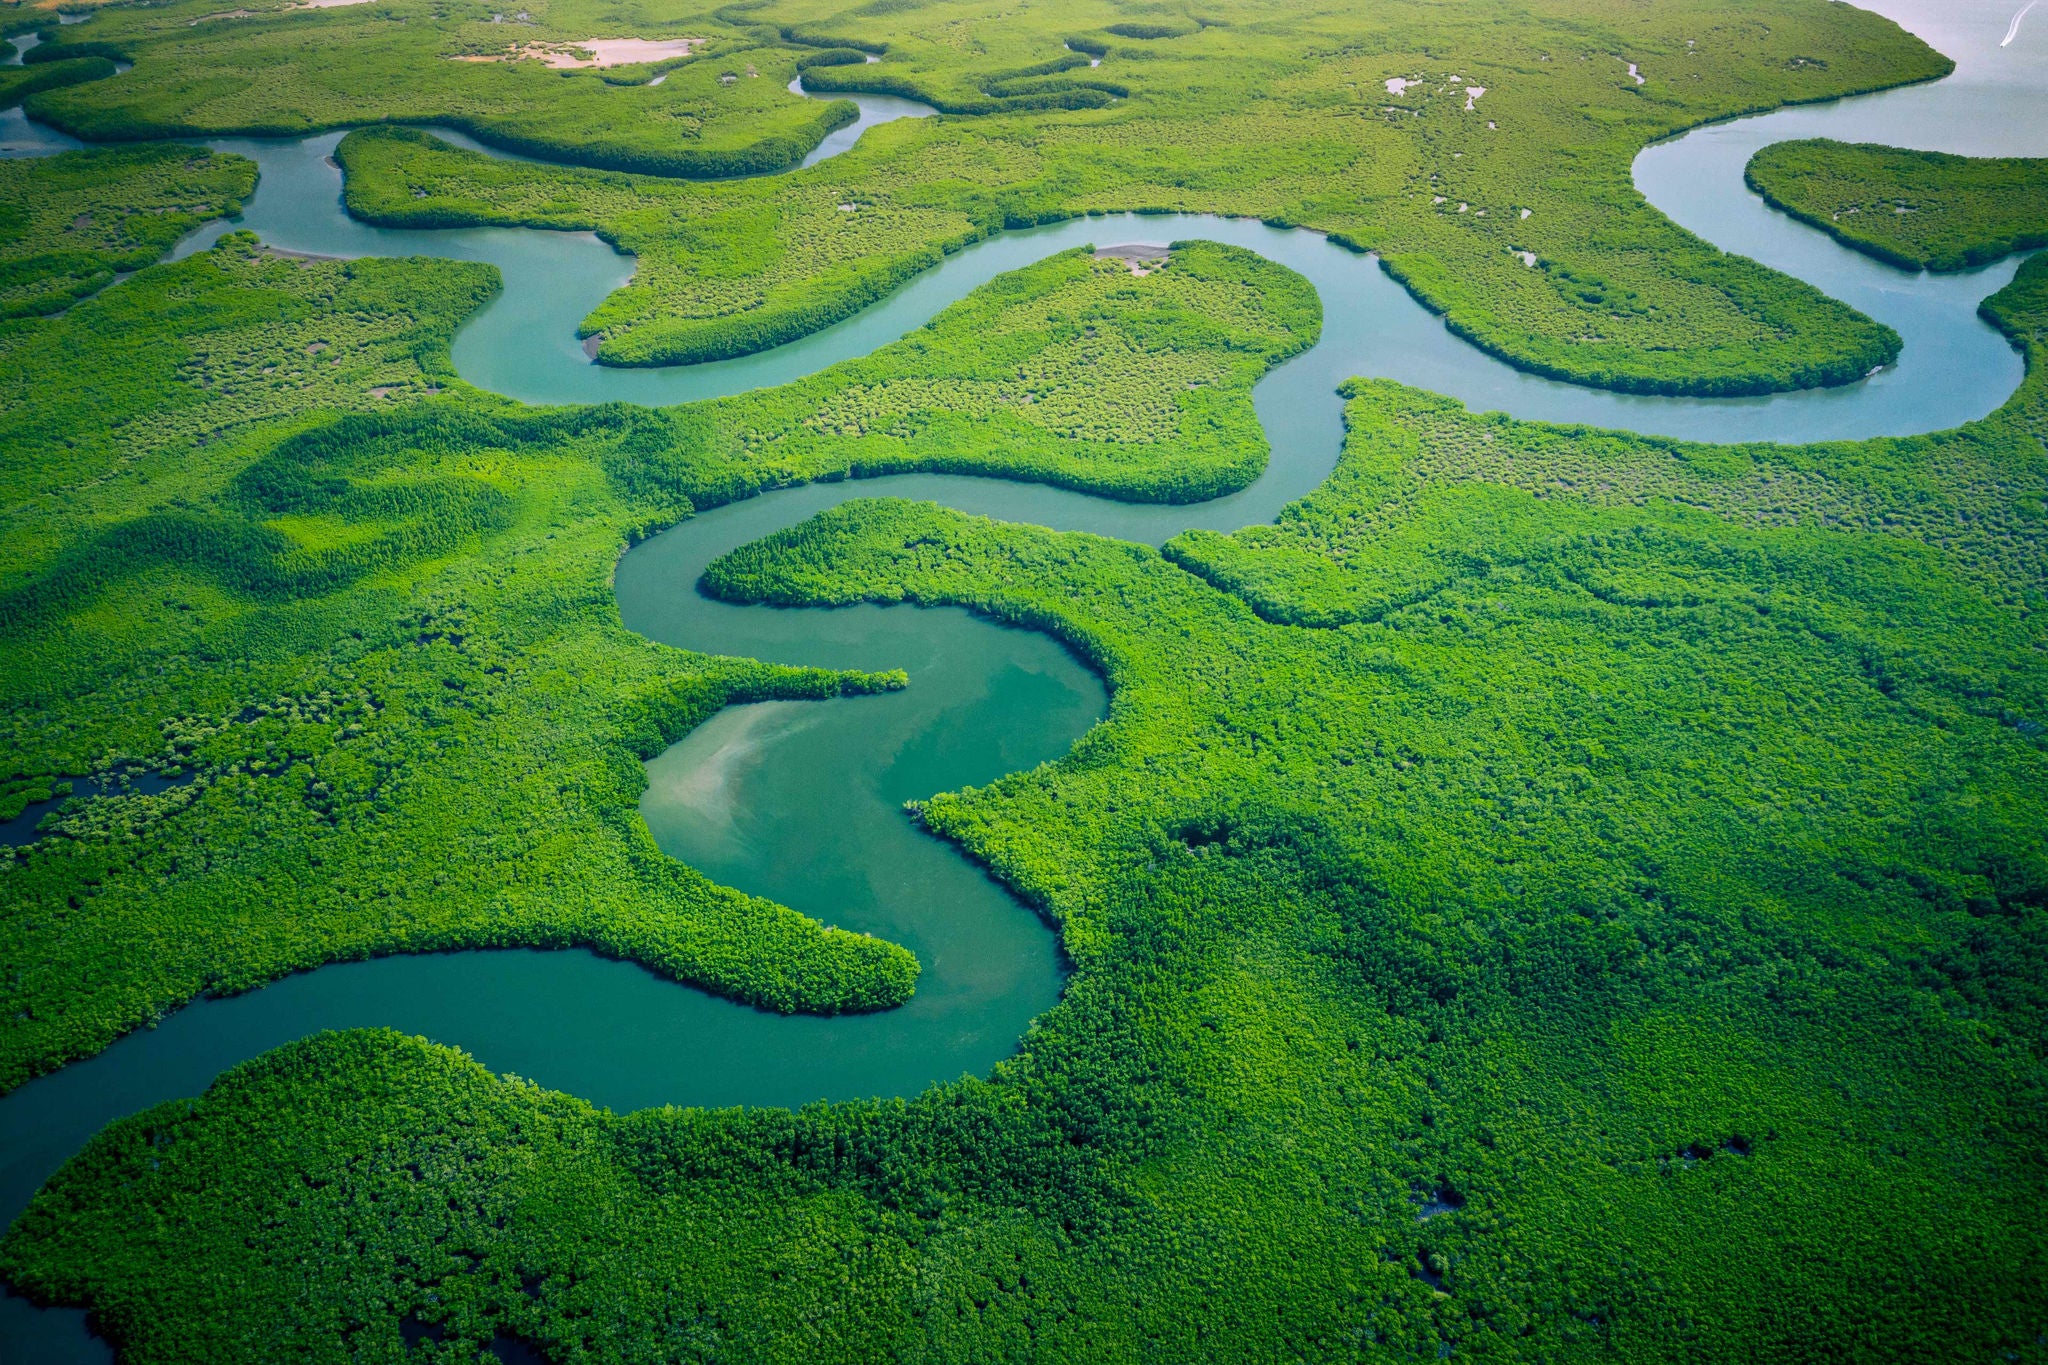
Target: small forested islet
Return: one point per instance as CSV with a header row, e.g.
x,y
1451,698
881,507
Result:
x,y
1919,210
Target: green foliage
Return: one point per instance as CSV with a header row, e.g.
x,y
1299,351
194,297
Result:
x,y
1630,948
68,223
1000,93
1275,112
17,83
1150,30
1348,553
831,56
1916,210
387,643
713,279
724,111
1556,895
184,360
1072,371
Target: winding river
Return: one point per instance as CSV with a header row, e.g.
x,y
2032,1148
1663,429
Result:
x,y
742,797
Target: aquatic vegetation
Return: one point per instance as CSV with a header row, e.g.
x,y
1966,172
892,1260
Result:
x,y
1041,86
68,223
714,279
388,645
1279,113
1916,210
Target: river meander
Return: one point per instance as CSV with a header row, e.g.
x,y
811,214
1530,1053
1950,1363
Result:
x,y
738,798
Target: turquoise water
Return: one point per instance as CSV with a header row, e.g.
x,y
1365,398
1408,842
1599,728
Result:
x,y
1955,367
874,109
737,798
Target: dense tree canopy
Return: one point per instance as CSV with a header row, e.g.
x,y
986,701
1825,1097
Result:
x,y
1451,140
1914,209
1555,894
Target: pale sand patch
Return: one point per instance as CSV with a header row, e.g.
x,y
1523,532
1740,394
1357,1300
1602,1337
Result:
x,y
1397,85
251,13
1141,257
1472,94
591,52
278,253
707,786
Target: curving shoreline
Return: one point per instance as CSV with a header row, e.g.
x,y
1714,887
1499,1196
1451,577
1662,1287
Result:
x,y
1296,403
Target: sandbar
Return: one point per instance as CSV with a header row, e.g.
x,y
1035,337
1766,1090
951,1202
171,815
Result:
x,y
253,13
589,52
1141,257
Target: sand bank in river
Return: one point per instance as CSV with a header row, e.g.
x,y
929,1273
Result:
x,y
255,13
590,52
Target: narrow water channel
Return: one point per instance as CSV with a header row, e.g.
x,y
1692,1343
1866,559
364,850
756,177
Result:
x,y
736,798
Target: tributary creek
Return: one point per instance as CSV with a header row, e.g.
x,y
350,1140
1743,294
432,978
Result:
x,y
801,802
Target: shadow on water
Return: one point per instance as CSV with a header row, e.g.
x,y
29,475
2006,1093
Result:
x,y
18,136
800,801
22,829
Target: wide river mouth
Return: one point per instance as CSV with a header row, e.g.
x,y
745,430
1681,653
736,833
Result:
x,y
737,798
